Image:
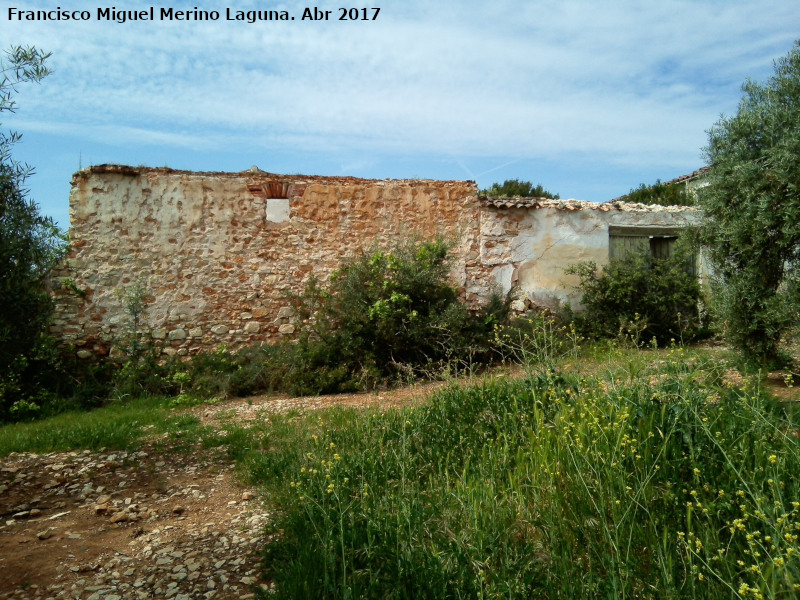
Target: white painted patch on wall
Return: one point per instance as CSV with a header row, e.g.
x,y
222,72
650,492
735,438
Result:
x,y
502,275
277,210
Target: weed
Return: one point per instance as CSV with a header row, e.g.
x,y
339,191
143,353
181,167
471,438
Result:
x,y
536,340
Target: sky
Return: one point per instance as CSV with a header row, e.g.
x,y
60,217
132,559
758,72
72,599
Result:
x,y
588,99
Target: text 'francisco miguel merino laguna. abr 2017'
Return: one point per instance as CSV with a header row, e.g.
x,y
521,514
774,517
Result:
x,y
170,14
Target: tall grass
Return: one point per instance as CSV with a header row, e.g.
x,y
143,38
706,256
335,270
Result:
x,y
663,485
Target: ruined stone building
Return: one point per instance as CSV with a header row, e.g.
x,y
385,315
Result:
x,y
215,254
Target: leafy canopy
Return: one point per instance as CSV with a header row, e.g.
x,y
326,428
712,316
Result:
x,y
30,245
515,187
751,208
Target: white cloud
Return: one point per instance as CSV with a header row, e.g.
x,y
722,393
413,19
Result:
x,y
628,82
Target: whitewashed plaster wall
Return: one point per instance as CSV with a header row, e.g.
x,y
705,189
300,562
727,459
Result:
x,y
529,244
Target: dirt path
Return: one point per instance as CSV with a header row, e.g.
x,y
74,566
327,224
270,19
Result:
x,y
126,525
136,525
256,407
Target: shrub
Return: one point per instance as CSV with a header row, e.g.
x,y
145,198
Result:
x,y
142,371
385,312
640,297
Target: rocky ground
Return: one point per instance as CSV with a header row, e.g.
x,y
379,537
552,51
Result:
x,y
144,524
127,525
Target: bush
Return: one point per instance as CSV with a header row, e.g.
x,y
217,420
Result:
x,y
640,297
384,314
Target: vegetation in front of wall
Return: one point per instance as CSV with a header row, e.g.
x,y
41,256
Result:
x,y
639,297
655,482
68,283
515,187
662,194
385,316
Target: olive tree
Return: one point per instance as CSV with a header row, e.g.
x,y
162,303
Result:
x,y
751,210
30,244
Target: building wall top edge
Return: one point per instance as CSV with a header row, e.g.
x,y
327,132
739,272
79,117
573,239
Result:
x,y
253,174
536,203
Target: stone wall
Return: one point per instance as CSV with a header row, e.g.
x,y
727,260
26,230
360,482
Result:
x,y
217,253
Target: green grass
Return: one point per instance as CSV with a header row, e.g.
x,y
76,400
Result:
x,y
646,480
115,427
623,474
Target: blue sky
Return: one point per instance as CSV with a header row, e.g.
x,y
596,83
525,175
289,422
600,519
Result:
x,y
587,98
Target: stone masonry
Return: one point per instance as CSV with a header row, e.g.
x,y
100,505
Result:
x,y
215,255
